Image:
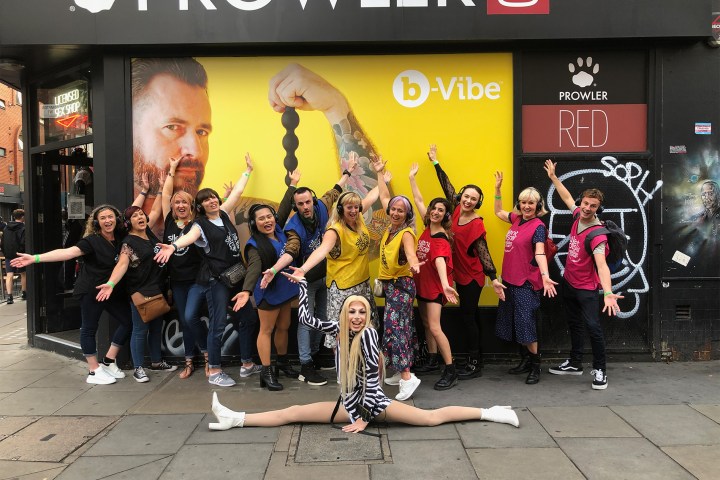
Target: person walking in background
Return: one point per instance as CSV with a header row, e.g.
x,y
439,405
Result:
x,y
524,274
13,243
584,275
434,280
97,251
471,260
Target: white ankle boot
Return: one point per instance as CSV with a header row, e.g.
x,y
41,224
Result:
x,y
226,418
498,414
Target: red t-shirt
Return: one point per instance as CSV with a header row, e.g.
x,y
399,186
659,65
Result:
x,y
467,265
429,248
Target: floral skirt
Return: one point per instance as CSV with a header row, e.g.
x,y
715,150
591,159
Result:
x,y
335,299
399,338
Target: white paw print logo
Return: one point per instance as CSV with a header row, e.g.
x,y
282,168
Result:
x,y
583,78
95,6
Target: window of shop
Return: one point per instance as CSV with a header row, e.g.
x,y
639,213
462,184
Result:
x,y
3,152
64,109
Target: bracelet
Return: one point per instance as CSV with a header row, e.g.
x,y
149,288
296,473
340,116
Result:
x,y
345,172
543,274
539,254
174,246
171,174
112,284
302,270
272,269
37,258
435,162
143,193
607,294
498,197
246,174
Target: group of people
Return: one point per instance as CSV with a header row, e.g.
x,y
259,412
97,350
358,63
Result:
x,y
321,255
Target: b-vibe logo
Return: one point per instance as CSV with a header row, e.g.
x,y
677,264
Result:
x,y
412,88
518,7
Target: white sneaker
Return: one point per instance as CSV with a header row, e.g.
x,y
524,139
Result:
x,y
113,370
394,380
100,377
500,414
407,387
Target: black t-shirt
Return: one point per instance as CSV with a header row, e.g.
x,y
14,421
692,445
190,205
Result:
x,y
185,263
144,275
97,263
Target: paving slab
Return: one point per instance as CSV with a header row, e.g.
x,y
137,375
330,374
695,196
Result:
x,y
38,401
279,469
700,460
616,458
12,469
72,376
44,475
102,400
323,443
134,467
499,435
203,435
582,422
219,462
146,435
515,463
43,361
667,425
397,431
52,438
408,461
710,411
10,425
13,380
9,358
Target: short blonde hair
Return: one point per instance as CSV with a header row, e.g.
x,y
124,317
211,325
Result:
x,y
531,193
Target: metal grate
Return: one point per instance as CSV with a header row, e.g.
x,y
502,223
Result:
x,y
683,313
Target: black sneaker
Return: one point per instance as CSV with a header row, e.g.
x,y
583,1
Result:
x,y
163,366
566,368
10,300
309,375
599,379
323,362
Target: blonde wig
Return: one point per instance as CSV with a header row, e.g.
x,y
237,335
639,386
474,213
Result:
x,y
351,356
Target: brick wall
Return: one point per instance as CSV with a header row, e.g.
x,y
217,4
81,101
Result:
x,y
10,128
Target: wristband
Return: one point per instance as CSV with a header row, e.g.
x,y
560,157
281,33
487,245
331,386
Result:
x,y
225,199
302,270
112,284
143,193
174,246
37,258
171,174
272,269
543,274
345,172
435,162
246,174
498,197
606,294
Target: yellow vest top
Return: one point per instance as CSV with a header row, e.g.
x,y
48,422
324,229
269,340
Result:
x,y
348,263
393,263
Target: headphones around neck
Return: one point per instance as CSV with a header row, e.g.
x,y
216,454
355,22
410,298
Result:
x,y
600,209
540,204
251,215
300,191
96,212
340,208
458,196
410,214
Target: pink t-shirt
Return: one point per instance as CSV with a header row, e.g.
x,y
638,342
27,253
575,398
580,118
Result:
x,y
580,271
517,264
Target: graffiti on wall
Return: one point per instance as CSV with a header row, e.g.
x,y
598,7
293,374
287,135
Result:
x,y
627,192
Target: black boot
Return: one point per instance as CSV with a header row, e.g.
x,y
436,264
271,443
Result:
x,y
534,375
283,365
524,365
431,364
449,378
269,380
472,368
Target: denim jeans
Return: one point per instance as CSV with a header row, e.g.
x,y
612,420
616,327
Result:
x,y
309,338
247,319
90,311
217,296
140,337
188,300
583,311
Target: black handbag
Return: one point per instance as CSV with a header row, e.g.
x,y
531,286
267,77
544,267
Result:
x,y
233,275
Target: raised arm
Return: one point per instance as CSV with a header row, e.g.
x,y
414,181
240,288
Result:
x,y
499,212
373,194
144,186
445,183
347,173
379,167
156,209
283,211
239,187
417,196
59,255
167,190
565,195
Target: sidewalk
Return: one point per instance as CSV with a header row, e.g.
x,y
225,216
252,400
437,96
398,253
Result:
x,y
655,420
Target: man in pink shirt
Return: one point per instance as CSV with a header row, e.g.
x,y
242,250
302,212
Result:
x,y
584,275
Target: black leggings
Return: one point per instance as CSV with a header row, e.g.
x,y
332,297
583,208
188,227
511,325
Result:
x,y
469,297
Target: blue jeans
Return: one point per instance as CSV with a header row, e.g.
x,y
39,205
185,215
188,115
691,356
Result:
x,y
90,311
140,336
188,300
309,338
247,319
217,296
583,311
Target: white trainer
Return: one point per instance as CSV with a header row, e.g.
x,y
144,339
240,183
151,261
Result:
x,y
113,370
394,380
500,414
100,377
226,418
407,387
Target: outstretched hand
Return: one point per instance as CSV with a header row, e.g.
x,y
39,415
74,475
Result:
x,y
432,153
499,289
413,170
549,286
297,276
165,251
451,294
22,260
550,167
611,304
267,277
104,293
240,300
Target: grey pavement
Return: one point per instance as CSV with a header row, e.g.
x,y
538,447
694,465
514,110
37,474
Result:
x,y
655,420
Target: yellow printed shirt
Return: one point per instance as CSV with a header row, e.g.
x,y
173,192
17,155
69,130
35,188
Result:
x,y
348,263
393,262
